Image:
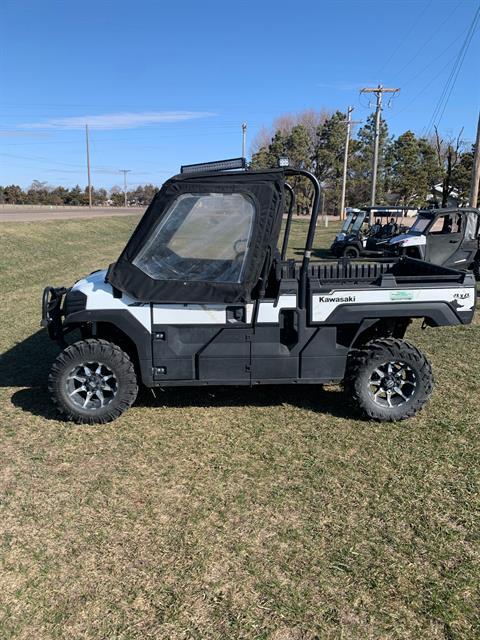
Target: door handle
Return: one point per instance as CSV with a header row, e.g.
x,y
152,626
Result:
x,y
453,241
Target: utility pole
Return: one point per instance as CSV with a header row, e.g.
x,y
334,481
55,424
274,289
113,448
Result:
x,y
475,169
88,168
125,171
349,123
378,91
244,140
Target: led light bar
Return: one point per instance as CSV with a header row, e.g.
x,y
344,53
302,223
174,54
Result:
x,y
219,165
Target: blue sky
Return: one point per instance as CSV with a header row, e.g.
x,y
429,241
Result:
x,y
166,83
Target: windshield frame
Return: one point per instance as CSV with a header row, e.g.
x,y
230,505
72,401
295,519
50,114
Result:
x,y
420,218
358,223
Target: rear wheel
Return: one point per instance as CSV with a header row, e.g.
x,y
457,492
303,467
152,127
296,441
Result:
x,y
389,379
351,252
93,381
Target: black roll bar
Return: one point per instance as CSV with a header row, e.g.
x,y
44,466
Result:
x,y
302,293
288,224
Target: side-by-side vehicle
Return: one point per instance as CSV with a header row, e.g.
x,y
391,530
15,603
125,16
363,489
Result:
x,y
202,296
448,237
366,231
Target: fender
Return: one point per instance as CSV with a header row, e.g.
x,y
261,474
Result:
x,y
127,324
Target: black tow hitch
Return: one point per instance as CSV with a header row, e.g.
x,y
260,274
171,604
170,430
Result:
x,y
52,312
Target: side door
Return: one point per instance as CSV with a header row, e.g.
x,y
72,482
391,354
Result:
x,y
444,238
205,256
206,239
208,342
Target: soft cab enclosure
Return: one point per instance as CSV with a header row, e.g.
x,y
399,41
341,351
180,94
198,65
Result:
x,y
204,238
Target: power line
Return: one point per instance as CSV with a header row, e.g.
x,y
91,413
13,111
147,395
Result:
x,y
425,43
406,35
441,105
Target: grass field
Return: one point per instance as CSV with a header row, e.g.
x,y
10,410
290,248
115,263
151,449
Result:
x,y
229,513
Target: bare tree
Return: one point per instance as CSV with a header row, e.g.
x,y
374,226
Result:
x,y
449,155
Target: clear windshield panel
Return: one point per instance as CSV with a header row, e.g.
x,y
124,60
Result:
x,y
420,225
357,225
203,237
347,223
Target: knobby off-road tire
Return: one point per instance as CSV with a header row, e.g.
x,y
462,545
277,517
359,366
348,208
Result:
x,y
92,381
388,379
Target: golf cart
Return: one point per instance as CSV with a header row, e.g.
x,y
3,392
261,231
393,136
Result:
x,y
201,296
448,237
365,231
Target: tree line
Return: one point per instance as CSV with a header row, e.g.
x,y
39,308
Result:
x,y
42,194
413,170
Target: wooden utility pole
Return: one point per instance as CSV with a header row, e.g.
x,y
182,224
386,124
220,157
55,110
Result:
x,y
349,123
378,91
88,168
125,171
475,169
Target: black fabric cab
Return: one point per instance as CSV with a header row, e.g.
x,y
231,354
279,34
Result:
x,y
164,259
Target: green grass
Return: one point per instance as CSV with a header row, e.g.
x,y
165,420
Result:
x,y
228,513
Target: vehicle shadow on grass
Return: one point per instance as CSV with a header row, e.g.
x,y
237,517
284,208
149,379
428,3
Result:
x,y
27,364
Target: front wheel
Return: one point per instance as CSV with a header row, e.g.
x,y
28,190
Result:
x,y
93,381
351,252
388,379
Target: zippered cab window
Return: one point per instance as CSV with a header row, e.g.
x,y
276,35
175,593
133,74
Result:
x,y
203,236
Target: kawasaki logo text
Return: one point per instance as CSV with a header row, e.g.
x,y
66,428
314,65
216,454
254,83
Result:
x,y
339,299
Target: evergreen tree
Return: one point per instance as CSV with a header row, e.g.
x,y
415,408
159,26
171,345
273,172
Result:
x,y
462,176
362,159
329,156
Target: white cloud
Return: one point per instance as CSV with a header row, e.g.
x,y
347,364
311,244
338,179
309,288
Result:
x,y
124,120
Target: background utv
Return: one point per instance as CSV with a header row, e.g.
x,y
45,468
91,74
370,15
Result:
x,y
202,296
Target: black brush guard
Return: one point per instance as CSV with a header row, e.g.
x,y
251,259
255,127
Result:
x,y
52,312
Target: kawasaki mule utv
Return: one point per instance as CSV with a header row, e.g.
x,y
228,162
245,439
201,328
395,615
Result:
x,y
201,296
361,236
448,237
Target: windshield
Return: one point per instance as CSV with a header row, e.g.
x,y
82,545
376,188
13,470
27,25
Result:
x,y
420,225
201,237
357,225
347,223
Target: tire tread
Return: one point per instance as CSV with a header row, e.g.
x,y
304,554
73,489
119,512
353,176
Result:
x,y
94,348
393,348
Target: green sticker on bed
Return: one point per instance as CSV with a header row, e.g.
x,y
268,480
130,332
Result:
x,y
401,295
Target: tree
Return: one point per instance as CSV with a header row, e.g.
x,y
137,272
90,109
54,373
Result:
x,y
74,196
359,188
413,170
462,176
328,157
13,194
117,196
449,153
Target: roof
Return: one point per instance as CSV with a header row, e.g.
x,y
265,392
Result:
x,y
451,210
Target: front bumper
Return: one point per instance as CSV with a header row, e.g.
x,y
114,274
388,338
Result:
x,y
52,311
337,248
